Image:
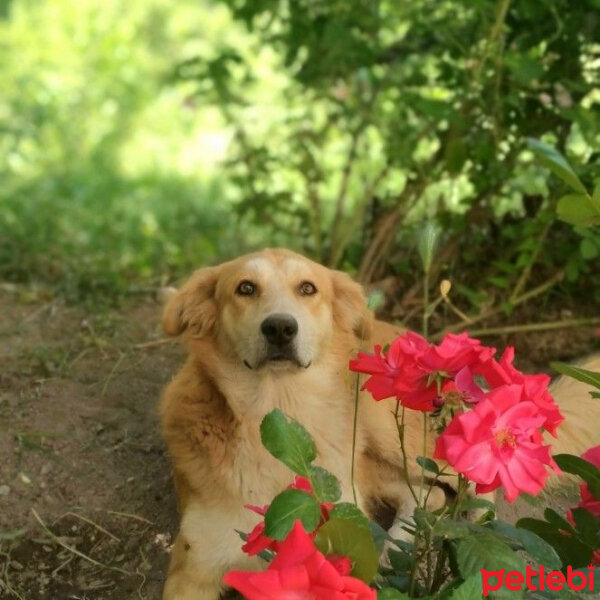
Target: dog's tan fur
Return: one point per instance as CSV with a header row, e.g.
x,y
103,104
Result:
x,y
212,409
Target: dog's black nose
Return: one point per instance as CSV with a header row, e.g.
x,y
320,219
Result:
x,y
279,329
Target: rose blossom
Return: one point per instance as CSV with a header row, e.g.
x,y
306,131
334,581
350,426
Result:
x,y
498,443
501,372
300,572
454,353
398,363
407,371
462,389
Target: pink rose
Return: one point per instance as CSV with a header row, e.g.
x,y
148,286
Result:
x,y
498,443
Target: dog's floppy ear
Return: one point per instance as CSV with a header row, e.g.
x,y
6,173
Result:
x,y
193,307
350,308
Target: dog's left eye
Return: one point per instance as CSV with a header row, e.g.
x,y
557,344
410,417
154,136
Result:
x,y
307,288
246,288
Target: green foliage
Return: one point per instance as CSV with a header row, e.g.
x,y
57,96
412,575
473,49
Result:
x,y
347,538
578,466
386,114
556,162
288,507
105,178
584,375
391,594
542,552
470,589
579,209
288,441
345,126
349,512
325,486
574,541
571,548
428,464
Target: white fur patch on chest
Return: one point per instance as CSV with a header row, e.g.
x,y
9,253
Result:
x,y
316,401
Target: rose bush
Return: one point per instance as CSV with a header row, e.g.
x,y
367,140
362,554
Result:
x,y
489,418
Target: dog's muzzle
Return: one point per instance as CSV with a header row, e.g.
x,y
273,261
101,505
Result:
x,y
279,331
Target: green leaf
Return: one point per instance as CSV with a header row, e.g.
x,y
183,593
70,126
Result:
x,y
391,594
498,281
595,394
350,512
288,507
288,441
578,466
588,249
557,520
477,552
452,530
587,525
476,504
341,536
325,486
380,535
456,155
596,193
568,547
400,561
470,589
557,163
428,464
583,375
579,209
532,543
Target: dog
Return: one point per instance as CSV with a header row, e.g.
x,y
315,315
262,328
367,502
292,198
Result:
x,y
269,330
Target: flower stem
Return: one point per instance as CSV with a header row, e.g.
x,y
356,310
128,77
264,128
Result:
x,y
424,456
426,302
439,574
354,430
400,428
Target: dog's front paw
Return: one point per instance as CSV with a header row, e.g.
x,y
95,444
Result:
x,y
182,587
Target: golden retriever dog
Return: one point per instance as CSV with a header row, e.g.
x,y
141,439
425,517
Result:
x,y
270,330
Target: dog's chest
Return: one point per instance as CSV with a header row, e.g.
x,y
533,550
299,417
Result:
x,y
325,410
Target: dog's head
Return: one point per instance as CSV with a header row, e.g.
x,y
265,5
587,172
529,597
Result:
x,y
273,309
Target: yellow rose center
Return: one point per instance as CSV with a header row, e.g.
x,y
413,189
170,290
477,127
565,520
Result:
x,y
506,438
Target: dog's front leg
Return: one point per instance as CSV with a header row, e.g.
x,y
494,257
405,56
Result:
x,y
205,549
404,516
185,582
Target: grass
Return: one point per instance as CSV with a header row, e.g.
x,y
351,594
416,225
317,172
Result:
x,y
95,237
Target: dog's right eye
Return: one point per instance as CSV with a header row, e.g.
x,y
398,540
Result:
x,y
245,288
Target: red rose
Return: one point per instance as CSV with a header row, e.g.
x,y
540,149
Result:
x,y
300,572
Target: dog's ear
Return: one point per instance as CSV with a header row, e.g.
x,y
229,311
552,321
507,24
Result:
x,y
350,308
193,307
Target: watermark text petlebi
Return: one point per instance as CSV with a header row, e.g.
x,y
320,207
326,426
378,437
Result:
x,y
538,580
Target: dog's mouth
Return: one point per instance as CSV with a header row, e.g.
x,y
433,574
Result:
x,y
278,357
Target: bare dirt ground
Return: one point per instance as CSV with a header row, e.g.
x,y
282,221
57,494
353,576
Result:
x,y
87,509
82,464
